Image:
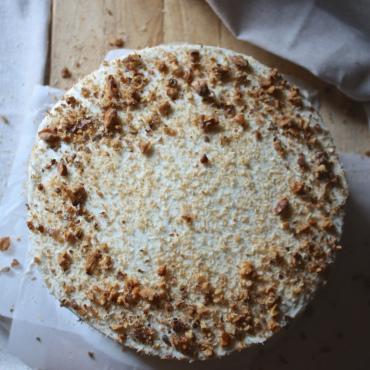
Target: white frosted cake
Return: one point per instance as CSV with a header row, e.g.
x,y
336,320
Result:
x,y
185,201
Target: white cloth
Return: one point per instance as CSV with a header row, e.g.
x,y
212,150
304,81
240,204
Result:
x,y
330,38
23,50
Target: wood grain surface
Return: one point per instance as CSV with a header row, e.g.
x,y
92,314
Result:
x,y
83,31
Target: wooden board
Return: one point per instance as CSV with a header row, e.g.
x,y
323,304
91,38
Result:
x,y
81,33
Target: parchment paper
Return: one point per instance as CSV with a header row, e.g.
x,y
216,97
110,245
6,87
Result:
x,y
333,333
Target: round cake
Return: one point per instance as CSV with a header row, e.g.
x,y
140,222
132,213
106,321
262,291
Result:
x,y
185,201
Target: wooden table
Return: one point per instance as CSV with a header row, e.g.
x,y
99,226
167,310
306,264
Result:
x,y
82,30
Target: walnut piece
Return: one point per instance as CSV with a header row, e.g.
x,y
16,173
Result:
x,y
173,89
301,161
66,73
143,334
279,147
225,339
246,270
297,187
62,169
4,243
201,88
169,131
209,124
188,218
162,270
282,207
240,62
119,42
92,260
77,195
111,120
240,120
49,136
64,260
204,159
165,108
184,343
195,56
146,148
15,263
111,88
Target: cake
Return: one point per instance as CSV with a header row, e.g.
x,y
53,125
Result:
x,y
185,201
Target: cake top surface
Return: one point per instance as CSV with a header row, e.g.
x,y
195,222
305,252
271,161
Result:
x,y
184,200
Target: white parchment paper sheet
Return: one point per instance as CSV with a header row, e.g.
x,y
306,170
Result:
x,y
333,333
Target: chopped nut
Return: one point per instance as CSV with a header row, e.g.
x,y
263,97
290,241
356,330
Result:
x,y
111,120
92,260
188,218
258,135
282,207
209,124
66,73
162,270
301,161
178,72
119,328
144,334
106,262
15,263
146,148
201,88
297,187
133,62
77,195
173,88
225,140
221,73
154,121
4,243
49,136
179,326
162,67
188,77
62,169
225,339
119,43
72,101
240,120
240,62
279,147
184,343
229,110
327,224
294,97
204,159
165,108
273,325
64,260
195,56
169,131
303,228
246,270
111,87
